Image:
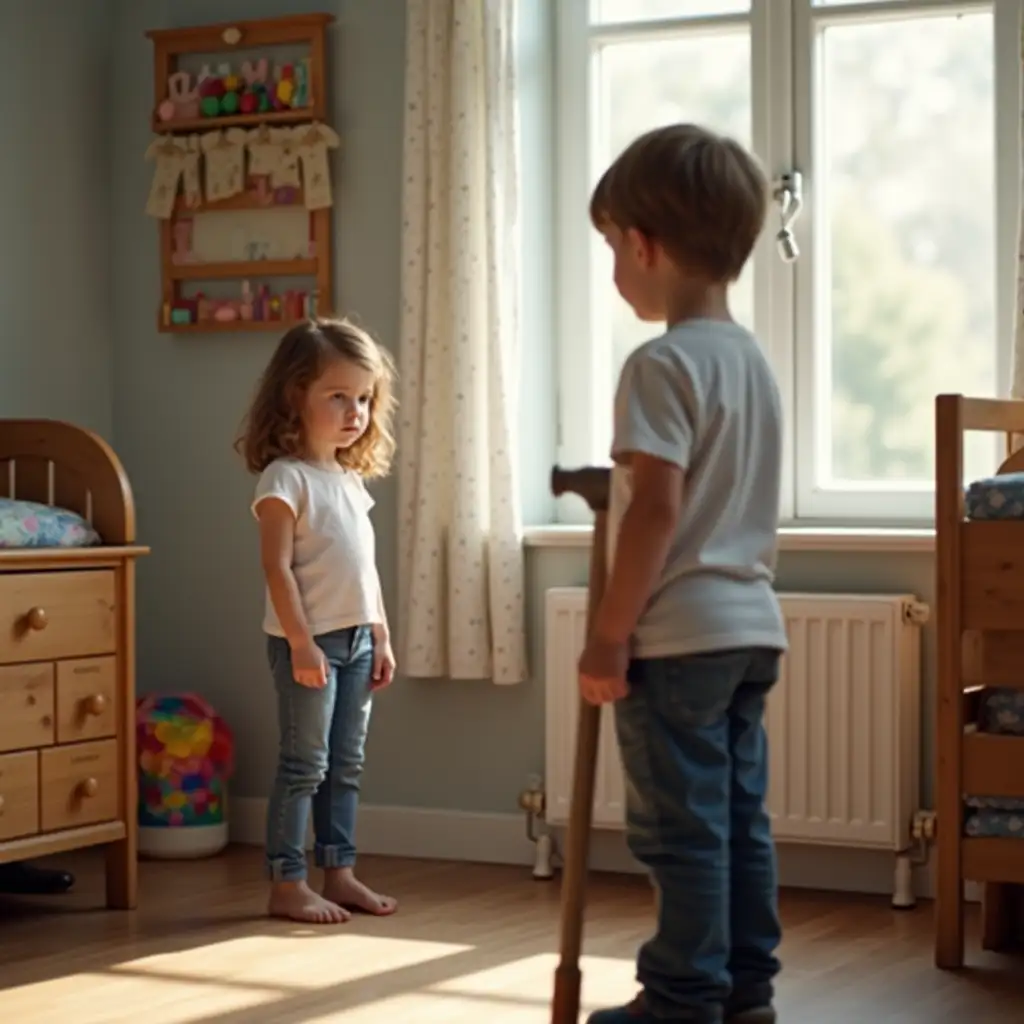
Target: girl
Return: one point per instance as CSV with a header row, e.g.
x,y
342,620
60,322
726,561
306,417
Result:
x,y
319,424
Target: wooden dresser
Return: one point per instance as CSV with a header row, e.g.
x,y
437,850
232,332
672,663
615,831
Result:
x,y
67,659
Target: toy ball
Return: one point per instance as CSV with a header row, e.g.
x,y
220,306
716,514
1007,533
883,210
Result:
x,y
229,103
166,111
212,87
264,104
186,757
209,106
249,102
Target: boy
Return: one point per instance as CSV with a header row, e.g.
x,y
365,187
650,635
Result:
x,y
688,637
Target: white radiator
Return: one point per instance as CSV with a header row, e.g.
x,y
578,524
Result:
x,y
843,721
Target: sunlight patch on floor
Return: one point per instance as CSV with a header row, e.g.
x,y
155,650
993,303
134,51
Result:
x,y
518,992
238,974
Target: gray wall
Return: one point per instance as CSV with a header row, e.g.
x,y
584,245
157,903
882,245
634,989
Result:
x,y
56,348
177,400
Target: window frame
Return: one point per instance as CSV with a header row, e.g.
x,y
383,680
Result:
x,y
782,37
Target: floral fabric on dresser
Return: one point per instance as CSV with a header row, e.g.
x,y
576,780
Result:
x,y
28,524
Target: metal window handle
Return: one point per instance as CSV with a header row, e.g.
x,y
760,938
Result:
x,y
789,194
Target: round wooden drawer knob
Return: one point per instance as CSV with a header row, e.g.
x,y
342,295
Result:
x,y
37,619
96,704
89,788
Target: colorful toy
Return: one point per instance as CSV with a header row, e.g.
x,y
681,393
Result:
x,y
186,757
302,98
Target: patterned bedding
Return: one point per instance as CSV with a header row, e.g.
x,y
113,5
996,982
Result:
x,y
1002,713
996,497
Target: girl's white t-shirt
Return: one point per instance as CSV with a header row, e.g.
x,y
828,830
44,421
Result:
x,y
334,559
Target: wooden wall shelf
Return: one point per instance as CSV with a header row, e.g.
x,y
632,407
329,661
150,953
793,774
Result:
x,y
251,40
233,327
243,269
209,124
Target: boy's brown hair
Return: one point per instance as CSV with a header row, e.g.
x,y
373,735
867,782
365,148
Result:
x,y
702,196
273,425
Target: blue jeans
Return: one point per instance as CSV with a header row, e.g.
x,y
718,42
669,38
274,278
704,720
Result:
x,y
323,739
694,750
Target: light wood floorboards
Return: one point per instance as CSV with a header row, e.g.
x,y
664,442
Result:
x,y
470,944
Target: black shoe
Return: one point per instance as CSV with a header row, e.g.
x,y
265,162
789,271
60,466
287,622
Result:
x,y
21,879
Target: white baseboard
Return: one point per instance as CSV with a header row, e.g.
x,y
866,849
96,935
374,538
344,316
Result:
x,y
441,834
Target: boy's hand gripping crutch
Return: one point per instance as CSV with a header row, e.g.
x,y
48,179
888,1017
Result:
x,y
592,484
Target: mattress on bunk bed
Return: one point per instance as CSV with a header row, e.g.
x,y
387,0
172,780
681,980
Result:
x,y
996,497
1002,714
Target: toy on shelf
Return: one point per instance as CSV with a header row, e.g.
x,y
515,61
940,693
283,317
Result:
x,y
186,758
227,93
259,306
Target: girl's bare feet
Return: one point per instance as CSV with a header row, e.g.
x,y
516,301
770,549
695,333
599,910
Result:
x,y
342,888
297,902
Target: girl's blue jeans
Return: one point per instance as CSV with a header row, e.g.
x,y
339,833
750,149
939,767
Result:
x,y
323,741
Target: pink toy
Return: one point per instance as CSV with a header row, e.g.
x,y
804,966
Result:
x,y
255,74
182,98
225,313
246,308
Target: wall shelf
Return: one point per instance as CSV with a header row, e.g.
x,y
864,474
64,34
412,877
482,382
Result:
x,y
214,45
233,327
211,124
243,269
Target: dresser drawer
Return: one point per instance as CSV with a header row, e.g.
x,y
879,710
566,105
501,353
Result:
x,y
86,699
78,785
19,795
26,706
49,615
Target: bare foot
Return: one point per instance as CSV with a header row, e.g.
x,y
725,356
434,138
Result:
x,y
297,902
342,888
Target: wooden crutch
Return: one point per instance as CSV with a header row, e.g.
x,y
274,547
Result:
x,y
592,485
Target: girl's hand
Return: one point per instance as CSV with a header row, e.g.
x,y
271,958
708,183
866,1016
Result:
x,y
309,666
383,660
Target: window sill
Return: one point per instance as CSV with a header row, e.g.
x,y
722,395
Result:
x,y
791,538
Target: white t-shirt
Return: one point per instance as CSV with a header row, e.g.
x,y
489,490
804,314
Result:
x,y
703,396
334,559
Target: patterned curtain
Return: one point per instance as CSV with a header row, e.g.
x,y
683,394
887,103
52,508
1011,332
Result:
x,y
460,560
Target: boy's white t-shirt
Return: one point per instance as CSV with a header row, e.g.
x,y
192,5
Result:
x,y
334,558
704,397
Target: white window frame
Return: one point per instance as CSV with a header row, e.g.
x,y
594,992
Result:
x,y
782,69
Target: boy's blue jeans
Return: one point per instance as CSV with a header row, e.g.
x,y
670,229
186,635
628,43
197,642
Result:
x,y
323,739
694,749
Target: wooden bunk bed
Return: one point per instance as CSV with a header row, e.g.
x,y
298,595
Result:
x,y
979,738
67,650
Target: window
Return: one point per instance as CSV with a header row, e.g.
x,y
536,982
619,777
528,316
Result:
x,y
900,119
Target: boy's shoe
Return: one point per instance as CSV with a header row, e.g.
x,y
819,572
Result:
x,y
755,1015
636,1013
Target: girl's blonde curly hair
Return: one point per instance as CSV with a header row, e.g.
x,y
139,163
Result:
x,y
273,426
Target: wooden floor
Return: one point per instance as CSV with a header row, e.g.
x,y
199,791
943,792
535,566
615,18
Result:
x,y
470,944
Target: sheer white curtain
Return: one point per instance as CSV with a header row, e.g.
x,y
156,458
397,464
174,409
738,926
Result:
x,y
460,558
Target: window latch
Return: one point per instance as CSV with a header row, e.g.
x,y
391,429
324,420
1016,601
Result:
x,y
790,199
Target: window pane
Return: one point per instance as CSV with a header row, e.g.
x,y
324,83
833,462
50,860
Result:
x,y
703,79
651,10
906,303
